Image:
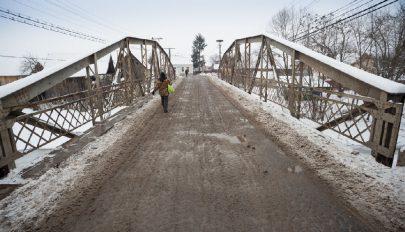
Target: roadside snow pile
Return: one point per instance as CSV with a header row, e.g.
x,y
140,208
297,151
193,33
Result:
x,y
32,158
376,191
37,199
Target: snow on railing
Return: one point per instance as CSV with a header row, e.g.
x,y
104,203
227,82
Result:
x,y
359,105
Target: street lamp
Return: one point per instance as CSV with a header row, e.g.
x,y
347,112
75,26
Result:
x,y
219,45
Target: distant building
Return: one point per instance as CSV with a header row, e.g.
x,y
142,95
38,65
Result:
x,y
181,68
8,79
215,67
207,69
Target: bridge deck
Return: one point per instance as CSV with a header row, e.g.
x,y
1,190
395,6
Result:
x,y
205,167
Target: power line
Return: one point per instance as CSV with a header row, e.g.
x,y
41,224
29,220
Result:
x,y
345,6
25,57
314,21
73,5
350,10
54,15
17,17
84,17
349,18
311,4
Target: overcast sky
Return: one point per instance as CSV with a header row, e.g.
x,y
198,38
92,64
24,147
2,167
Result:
x,y
176,21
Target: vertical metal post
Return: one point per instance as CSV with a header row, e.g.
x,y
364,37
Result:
x,y
385,129
299,99
261,70
267,79
291,88
100,98
8,149
235,57
259,57
130,81
144,53
245,66
90,94
155,61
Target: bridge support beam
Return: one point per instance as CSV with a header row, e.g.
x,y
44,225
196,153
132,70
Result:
x,y
385,130
8,149
369,114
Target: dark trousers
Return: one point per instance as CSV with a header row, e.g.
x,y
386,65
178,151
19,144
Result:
x,y
165,102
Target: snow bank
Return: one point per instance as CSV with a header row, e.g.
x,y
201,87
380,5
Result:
x,y
371,79
37,198
372,188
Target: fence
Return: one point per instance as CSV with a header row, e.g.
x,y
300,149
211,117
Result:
x,y
358,105
48,106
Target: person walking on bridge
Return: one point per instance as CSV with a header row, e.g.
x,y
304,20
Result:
x,y
186,71
161,85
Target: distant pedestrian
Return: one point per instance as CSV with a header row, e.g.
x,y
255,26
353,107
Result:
x,y
161,85
186,72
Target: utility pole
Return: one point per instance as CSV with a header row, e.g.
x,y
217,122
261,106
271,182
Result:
x,y
219,46
170,55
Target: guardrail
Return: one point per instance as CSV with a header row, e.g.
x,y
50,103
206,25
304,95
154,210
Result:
x,y
358,105
29,119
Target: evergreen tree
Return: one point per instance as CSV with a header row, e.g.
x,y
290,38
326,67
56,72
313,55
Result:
x,y
110,69
198,47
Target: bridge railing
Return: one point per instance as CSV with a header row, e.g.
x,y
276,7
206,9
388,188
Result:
x,y
358,105
52,105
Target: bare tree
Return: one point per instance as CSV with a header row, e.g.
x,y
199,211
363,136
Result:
x,y
288,23
31,65
389,43
332,41
362,44
214,59
375,43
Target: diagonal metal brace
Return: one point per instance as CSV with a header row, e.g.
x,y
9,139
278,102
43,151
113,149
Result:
x,y
43,125
346,117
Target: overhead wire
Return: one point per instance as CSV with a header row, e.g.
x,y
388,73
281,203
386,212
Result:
x,y
87,12
317,19
59,17
25,57
17,17
84,17
311,4
349,18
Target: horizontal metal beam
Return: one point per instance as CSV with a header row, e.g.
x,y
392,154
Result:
x,y
342,78
20,92
345,79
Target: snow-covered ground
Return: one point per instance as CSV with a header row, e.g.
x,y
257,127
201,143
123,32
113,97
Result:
x,y
371,188
306,127
33,157
349,167
37,198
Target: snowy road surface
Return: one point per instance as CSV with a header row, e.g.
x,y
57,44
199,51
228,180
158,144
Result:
x,y
202,167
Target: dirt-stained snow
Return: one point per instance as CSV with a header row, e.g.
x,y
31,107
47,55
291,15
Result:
x,y
370,187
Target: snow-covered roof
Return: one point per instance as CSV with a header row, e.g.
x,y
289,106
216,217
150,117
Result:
x,y
378,82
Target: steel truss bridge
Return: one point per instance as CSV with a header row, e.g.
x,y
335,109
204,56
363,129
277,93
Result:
x,y
50,105
358,105
59,104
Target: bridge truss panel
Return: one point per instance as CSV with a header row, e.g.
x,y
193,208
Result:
x,y
312,89
54,106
